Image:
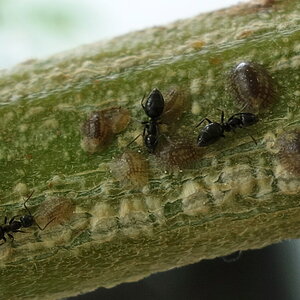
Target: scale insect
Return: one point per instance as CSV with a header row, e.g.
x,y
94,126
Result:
x,y
100,128
12,226
251,85
213,131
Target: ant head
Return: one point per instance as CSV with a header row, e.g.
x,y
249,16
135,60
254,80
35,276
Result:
x,y
27,220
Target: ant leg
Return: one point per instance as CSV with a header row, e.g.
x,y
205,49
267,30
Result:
x,y
244,107
40,228
143,122
26,201
4,239
11,237
144,131
169,140
205,119
21,231
13,218
158,135
253,139
222,117
133,140
142,104
5,220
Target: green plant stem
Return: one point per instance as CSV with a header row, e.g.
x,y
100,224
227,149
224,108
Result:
x,y
239,196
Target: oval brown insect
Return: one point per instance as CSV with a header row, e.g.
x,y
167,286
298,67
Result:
x,y
179,154
96,132
289,151
60,210
175,104
252,85
131,168
101,126
119,118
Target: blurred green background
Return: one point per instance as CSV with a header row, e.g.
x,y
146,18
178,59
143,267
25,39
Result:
x,y
39,28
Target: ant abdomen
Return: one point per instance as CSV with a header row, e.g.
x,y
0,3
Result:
x,y
154,104
210,134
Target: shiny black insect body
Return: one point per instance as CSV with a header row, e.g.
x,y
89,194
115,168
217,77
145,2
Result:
x,y
154,104
151,134
213,131
153,107
13,226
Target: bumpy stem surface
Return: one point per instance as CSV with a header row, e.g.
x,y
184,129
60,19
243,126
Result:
x,y
238,196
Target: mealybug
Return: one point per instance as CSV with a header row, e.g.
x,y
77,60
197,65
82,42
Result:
x,y
251,85
289,151
175,104
131,168
101,126
179,154
57,209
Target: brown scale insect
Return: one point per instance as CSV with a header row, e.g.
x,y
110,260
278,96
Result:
x,y
101,126
60,210
289,151
131,168
175,104
119,118
252,86
179,154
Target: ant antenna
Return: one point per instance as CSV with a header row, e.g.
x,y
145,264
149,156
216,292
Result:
x,y
26,201
40,228
27,209
205,119
253,139
133,140
222,117
243,107
142,104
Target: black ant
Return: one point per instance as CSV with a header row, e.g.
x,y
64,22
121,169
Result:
x,y
153,107
14,226
214,131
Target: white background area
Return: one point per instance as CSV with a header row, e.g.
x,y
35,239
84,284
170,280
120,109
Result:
x,y
39,28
